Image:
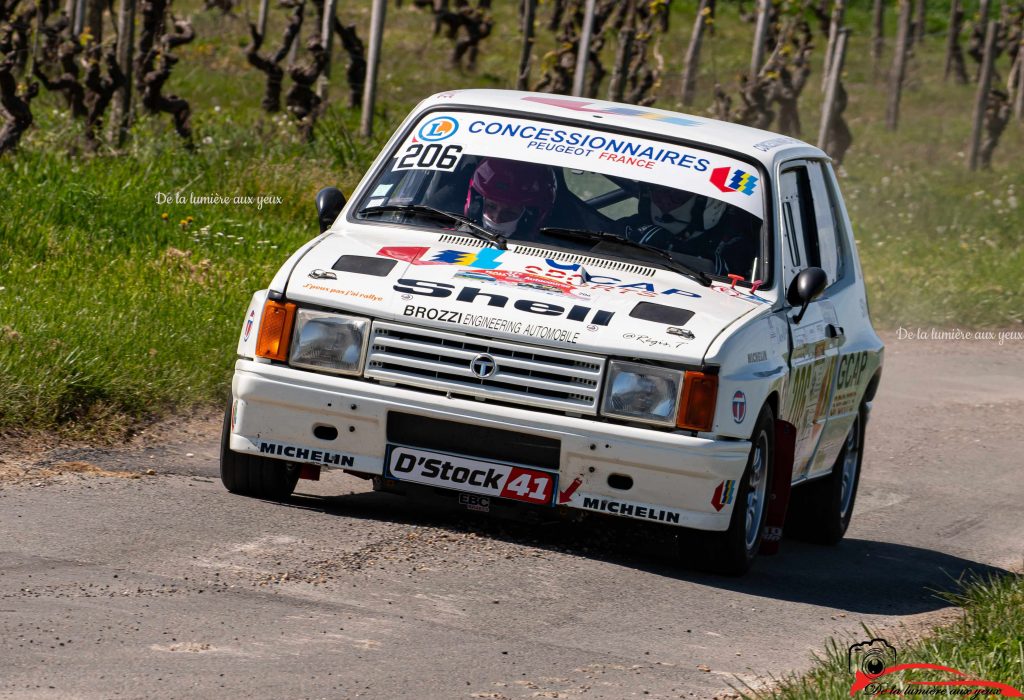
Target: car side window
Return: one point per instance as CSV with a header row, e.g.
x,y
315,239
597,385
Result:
x,y
829,241
798,219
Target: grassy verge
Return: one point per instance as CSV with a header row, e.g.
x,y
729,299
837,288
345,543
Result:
x,y
987,643
109,313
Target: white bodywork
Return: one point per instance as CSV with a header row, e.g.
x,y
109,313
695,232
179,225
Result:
x,y
814,373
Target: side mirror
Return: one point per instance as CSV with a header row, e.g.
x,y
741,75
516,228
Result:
x,y
329,203
805,287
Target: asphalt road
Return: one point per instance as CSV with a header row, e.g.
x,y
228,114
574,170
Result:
x,y
131,585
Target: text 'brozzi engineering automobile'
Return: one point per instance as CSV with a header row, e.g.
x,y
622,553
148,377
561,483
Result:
x,y
579,306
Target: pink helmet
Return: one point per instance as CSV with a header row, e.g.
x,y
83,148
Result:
x,y
513,184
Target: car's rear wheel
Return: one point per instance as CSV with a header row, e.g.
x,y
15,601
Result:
x,y
733,551
820,511
251,475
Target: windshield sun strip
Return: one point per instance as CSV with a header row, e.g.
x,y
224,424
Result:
x,y
382,164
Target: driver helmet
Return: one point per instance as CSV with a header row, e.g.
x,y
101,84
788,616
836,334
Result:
x,y
678,210
510,196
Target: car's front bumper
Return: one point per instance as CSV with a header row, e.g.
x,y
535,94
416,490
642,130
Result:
x,y
675,478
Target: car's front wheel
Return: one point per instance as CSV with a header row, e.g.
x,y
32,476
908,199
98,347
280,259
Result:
x,y
251,475
733,551
821,510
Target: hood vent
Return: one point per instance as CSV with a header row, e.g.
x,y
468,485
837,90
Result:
x,y
365,265
559,256
659,313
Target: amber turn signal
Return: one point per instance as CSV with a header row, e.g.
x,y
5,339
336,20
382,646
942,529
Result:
x,y
275,330
697,403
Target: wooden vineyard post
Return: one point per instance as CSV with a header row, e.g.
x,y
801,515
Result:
x,y
877,36
529,12
831,87
326,37
899,68
983,8
70,8
79,23
372,64
121,116
693,53
580,74
1018,100
835,25
921,15
981,100
952,36
760,35
261,18
623,55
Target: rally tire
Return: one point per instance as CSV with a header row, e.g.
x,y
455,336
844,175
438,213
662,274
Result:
x,y
733,551
251,475
820,511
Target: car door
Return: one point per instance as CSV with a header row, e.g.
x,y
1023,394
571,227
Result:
x,y
814,338
842,315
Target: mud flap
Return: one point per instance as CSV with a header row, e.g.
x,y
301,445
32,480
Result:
x,y
782,479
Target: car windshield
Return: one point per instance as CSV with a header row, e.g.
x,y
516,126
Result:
x,y
533,183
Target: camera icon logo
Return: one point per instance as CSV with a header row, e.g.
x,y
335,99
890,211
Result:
x,y
871,657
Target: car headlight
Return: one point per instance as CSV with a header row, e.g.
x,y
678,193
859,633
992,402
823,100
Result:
x,y
642,393
329,342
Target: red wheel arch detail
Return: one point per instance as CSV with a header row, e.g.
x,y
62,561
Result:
x,y
782,478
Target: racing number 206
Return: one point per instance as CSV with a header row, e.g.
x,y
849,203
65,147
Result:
x,y
528,486
432,156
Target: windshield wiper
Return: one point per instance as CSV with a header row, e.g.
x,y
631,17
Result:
x,y
670,262
478,231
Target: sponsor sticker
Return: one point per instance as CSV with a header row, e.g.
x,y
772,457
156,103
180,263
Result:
x,y
492,323
723,495
440,142
472,475
774,143
248,325
734,180
739,406
306,454
561,278
481,504
640,511
620,110
365,296
438,129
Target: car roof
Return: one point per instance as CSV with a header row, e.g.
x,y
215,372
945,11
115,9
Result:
x,y
766,147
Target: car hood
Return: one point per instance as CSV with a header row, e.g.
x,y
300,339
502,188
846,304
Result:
x,y
531,295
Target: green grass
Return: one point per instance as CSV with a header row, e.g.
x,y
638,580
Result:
x,y
987,643
103,321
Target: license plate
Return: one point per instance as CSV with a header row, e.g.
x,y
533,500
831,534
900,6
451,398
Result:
x,y
471,475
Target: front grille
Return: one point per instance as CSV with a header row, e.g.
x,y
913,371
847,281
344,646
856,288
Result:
x,y
473,440
438,360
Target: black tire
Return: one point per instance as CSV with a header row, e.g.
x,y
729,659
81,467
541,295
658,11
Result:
x,y
820,511
251,475
733,551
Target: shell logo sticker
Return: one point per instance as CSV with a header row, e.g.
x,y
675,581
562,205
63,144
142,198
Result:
x,y
734,180
438,129
739,406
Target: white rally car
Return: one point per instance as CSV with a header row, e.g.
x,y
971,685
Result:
x,y
576,305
